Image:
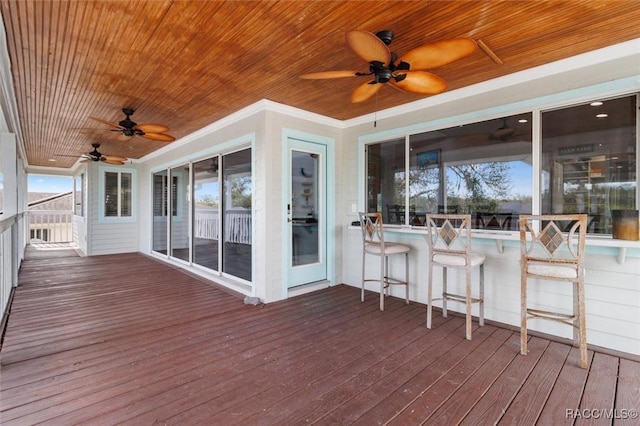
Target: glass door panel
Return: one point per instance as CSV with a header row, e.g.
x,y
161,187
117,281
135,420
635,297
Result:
x,y
160,203
206,213
179,222
236,222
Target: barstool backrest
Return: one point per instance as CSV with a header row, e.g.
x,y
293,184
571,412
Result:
x,y
372,231
559,243
449,234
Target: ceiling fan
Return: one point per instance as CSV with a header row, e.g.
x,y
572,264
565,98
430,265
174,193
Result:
x,y
503,132
129,128
97,156
406,72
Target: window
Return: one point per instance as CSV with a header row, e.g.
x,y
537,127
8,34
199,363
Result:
x,y
78,202
483,169
589,160
116,189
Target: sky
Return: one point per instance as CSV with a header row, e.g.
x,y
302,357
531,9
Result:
x,y
53,184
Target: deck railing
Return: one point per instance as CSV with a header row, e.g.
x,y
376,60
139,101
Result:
x,y
11,253
237,226
50,226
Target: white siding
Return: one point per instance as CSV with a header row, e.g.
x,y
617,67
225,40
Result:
x,y
107,238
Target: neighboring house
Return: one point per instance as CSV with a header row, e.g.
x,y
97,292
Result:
x,y
50,217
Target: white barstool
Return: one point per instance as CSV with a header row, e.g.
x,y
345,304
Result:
x,y
450,247
373,243
551,254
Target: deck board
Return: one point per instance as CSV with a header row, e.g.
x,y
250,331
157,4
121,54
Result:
x,y
128,339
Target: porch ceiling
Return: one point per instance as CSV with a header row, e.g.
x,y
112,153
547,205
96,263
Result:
x,y
187,64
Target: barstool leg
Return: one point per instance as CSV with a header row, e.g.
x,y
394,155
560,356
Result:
x,y
581,326
468,303
523,315
481,307
406,276
444,292
429,298
382,274
364,257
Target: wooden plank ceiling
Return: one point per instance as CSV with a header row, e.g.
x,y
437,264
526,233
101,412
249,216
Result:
x,y
186,64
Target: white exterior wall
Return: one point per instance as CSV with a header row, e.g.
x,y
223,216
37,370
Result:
x,y
109,237
275,204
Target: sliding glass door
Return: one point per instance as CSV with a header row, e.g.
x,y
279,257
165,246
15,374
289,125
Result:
x,y
209,225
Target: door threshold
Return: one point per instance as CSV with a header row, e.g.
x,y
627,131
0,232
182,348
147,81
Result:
x,y
308,288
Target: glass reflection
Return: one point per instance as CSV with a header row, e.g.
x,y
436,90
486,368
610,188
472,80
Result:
x,y
179,212
206,213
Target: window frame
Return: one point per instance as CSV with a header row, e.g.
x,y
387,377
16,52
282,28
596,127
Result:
x,y
78,192
102,217
536,109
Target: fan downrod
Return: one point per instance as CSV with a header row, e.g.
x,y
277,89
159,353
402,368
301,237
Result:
x,y
128,123
386,36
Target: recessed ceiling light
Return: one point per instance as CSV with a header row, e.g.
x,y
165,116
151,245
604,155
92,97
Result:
x,y
602,115
52,160
596,103
523,120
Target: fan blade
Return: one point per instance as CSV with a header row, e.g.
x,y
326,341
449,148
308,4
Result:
x,y
368,46
328,74
86,160
159,137
439,53
122,137
422,82
152,128
364,92
114,158
115,162
108,123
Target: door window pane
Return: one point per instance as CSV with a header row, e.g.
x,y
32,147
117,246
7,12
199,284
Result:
x,y
305,242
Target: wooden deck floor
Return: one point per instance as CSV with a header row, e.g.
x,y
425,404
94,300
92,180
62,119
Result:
x,y
126,339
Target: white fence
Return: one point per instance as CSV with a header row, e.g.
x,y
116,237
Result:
x,y
50,226
11,253
237,226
